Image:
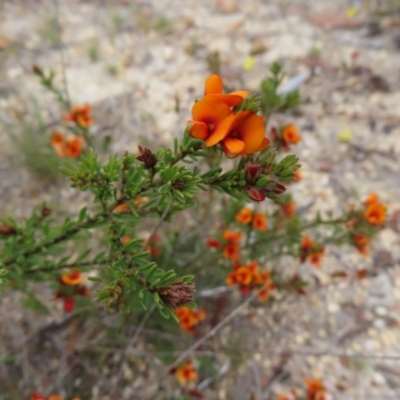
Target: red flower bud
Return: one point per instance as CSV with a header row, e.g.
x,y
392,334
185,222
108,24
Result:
x,y
69,304
255,194
252,172
213,243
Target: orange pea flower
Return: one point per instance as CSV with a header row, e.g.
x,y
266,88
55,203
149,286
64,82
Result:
x,y
126,239
37,396
361,242
231,237
70,146
213,91
372,199
260,222
288,209
312,250
74,146
186,373
73,278
151,246
244,216
242,276
232,248
57,141
290,134
375,213
189,318
316,390
81,115
241,133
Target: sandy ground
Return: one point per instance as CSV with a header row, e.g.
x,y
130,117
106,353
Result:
x,y
153,54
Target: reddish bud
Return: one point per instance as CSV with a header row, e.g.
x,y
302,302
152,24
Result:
x,y
69,304
213,243
252,172
7,230
255,194
279,189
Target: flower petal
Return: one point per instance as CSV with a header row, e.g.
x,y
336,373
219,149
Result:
x,y
242,93
213,84
230,100
233,147
221,131
210,112
198,130
264,144
251,131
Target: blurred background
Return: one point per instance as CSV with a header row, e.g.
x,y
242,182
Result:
x,y
141,65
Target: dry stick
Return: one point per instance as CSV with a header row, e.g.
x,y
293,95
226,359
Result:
x,y
210,333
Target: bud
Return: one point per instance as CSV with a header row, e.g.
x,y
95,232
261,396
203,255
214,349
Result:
x,y
46,211
177,294
213,243
178,184
252,172
255,194
147,157
279,189
7,230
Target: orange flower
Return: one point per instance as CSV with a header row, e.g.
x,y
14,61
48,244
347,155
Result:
x,y
81,115
372,199
260,222
231,237
240,133
37,396
207,115
289,209
244,216
290,134
375,213
70,146
186,373
73,146
189,317
311,249
315,389
73,278
231,251
126,239
213,91
55,397
57,141
361,242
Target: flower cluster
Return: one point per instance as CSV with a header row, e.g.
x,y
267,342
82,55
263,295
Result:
x,y
312,250
218,119
189,318
245,216
249,277
315,390
70,287
67,146
285,136
365,222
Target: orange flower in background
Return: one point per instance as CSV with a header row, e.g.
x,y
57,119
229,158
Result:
x,y
186,373
189,318
290,134
288,209
244,216
260,222
57,141
312,250
361,242
81,115
151,246
375,213
316,390
372,199
70,146
74,146
242,276
126,239
37,396
232,248
241,133
73,278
